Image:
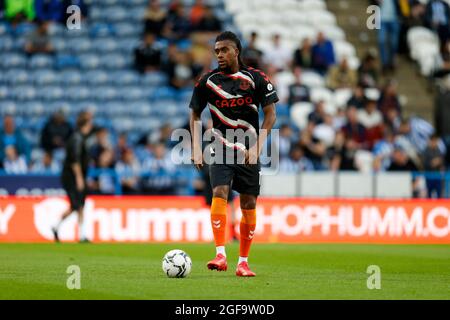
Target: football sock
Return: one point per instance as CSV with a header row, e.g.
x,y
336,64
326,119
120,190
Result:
x,y
219,220
247,229
221,250
243,259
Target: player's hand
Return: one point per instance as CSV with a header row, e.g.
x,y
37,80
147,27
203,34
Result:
x,y
251,157
197,161
80,185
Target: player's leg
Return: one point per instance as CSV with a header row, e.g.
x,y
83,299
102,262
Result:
x,y
247,230
219,226
247,183
81,198
71,193
221,177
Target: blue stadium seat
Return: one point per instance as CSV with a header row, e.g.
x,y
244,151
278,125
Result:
x,y
127,45
140,108
6,43
38,61
23,93
65,61
101,30
13,60
96,77
59,44
137,14
135,2
7,107
162,93
78,93
127,29
126,77
51,93
45,77
131,93
115,14
89,61
105,93
17,76
4,92
23,29
115,61
31,109
105,45
5,28
79,45
155,79
56,29
71,77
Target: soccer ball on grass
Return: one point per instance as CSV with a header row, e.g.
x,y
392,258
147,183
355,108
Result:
x,y
177,264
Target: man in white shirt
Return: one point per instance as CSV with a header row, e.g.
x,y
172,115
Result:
x,y
277,55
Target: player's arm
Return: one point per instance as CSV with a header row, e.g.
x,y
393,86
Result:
x,y
76,164
196,152
270,117
197,105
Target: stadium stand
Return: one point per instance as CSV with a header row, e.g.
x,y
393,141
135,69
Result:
x,y
334,126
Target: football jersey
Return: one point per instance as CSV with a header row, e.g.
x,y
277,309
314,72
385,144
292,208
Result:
x,y
234,101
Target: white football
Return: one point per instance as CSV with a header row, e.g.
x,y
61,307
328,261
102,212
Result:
x,y
177,264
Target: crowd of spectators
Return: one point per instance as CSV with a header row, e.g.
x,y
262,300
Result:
x,y
370,133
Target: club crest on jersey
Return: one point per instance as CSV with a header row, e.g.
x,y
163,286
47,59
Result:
x,y
244,85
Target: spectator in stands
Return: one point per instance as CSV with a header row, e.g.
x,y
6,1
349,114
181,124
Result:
x,y
46,165
342,76
39,41
277,55
317,116
368,71
372,119
437,18
323,54
303,56
354,130
102,143
49,10
155,18
251,55
358,100
314,149
325,131
182,71
18,11
147,57
159,172
84,9
296,163
405,140
434,161
56,132
128,169
177,26
10,136
103,182
383,150
388,34
389,99
298,92
400,161
209,22
121,145
444,63
285,141
197,13
14,163
342,153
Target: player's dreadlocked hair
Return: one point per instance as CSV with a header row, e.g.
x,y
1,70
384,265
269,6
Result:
x,y
228,35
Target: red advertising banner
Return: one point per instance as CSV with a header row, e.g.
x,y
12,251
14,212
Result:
x,y
187,219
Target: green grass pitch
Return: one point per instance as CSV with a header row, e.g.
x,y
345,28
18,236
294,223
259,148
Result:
x,y
133,271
